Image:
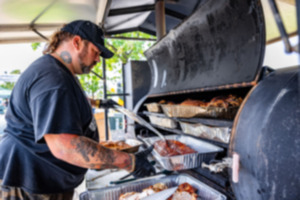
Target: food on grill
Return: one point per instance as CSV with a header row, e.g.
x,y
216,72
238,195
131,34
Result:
x,y
184,191
166,102
162,101
225,101
116,145
219,101
234,100
172,148
146,192
191,102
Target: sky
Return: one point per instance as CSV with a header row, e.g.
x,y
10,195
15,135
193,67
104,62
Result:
x,y
276,57
17,56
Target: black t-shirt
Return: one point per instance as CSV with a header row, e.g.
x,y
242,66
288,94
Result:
x,y
46,99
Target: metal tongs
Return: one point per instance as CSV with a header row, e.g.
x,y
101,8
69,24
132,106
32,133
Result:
x,y
139,120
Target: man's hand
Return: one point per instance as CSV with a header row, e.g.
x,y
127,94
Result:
x,y
142,166
106,103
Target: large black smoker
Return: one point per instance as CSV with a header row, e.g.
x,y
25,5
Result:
x,y
217,51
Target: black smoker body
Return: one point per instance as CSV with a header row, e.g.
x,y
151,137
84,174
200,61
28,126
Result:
x,y
217,51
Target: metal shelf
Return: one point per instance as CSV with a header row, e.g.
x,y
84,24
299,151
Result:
x,y
205,121
177,131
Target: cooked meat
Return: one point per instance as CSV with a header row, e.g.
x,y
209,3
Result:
x,y
162,101
184,191
172,148
166,102
158,187
225,101
219,101
234,101
182,195
191,102
186,187
146,192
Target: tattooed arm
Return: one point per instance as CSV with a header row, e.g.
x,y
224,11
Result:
x,y
86,153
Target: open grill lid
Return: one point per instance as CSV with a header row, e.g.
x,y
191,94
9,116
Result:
x,y
220,44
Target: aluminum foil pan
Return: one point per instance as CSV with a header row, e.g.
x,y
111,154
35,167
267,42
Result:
x,y
134,145
197,111
220,134
112,193
154,107
205,153
164,122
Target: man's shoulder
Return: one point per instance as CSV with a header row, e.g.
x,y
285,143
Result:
x,y
44,72
44,63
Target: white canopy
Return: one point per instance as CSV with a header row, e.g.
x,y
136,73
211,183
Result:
x,y
31,20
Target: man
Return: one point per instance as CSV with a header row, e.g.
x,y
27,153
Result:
x,y
50,139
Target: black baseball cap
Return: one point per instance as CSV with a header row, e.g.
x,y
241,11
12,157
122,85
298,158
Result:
x,y
89,31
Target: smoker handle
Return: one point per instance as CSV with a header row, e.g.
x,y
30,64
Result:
x,y
235,167
265,72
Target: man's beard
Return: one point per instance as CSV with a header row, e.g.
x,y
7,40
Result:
x,y
85,68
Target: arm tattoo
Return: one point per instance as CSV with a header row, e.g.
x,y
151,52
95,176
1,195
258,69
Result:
x,y
90,152
66,57
84,149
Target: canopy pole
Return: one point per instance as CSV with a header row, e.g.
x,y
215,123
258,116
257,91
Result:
x,y
105,97
37,17
160,19
278,19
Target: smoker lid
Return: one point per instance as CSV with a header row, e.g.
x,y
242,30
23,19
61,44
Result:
x,y
221,43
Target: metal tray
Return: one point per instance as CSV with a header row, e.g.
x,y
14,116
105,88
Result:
x,y
112,193
197,111
153,107
135,144
205,153
220,134
164,122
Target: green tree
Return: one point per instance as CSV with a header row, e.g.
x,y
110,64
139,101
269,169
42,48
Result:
x,y
35,45
10,85
91,83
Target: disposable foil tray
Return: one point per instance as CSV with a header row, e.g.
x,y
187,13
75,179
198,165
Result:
x,y
164,122
198,111
204,153
153,107
112,193
220,134
134,145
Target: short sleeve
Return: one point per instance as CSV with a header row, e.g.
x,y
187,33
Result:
x,y
55,111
